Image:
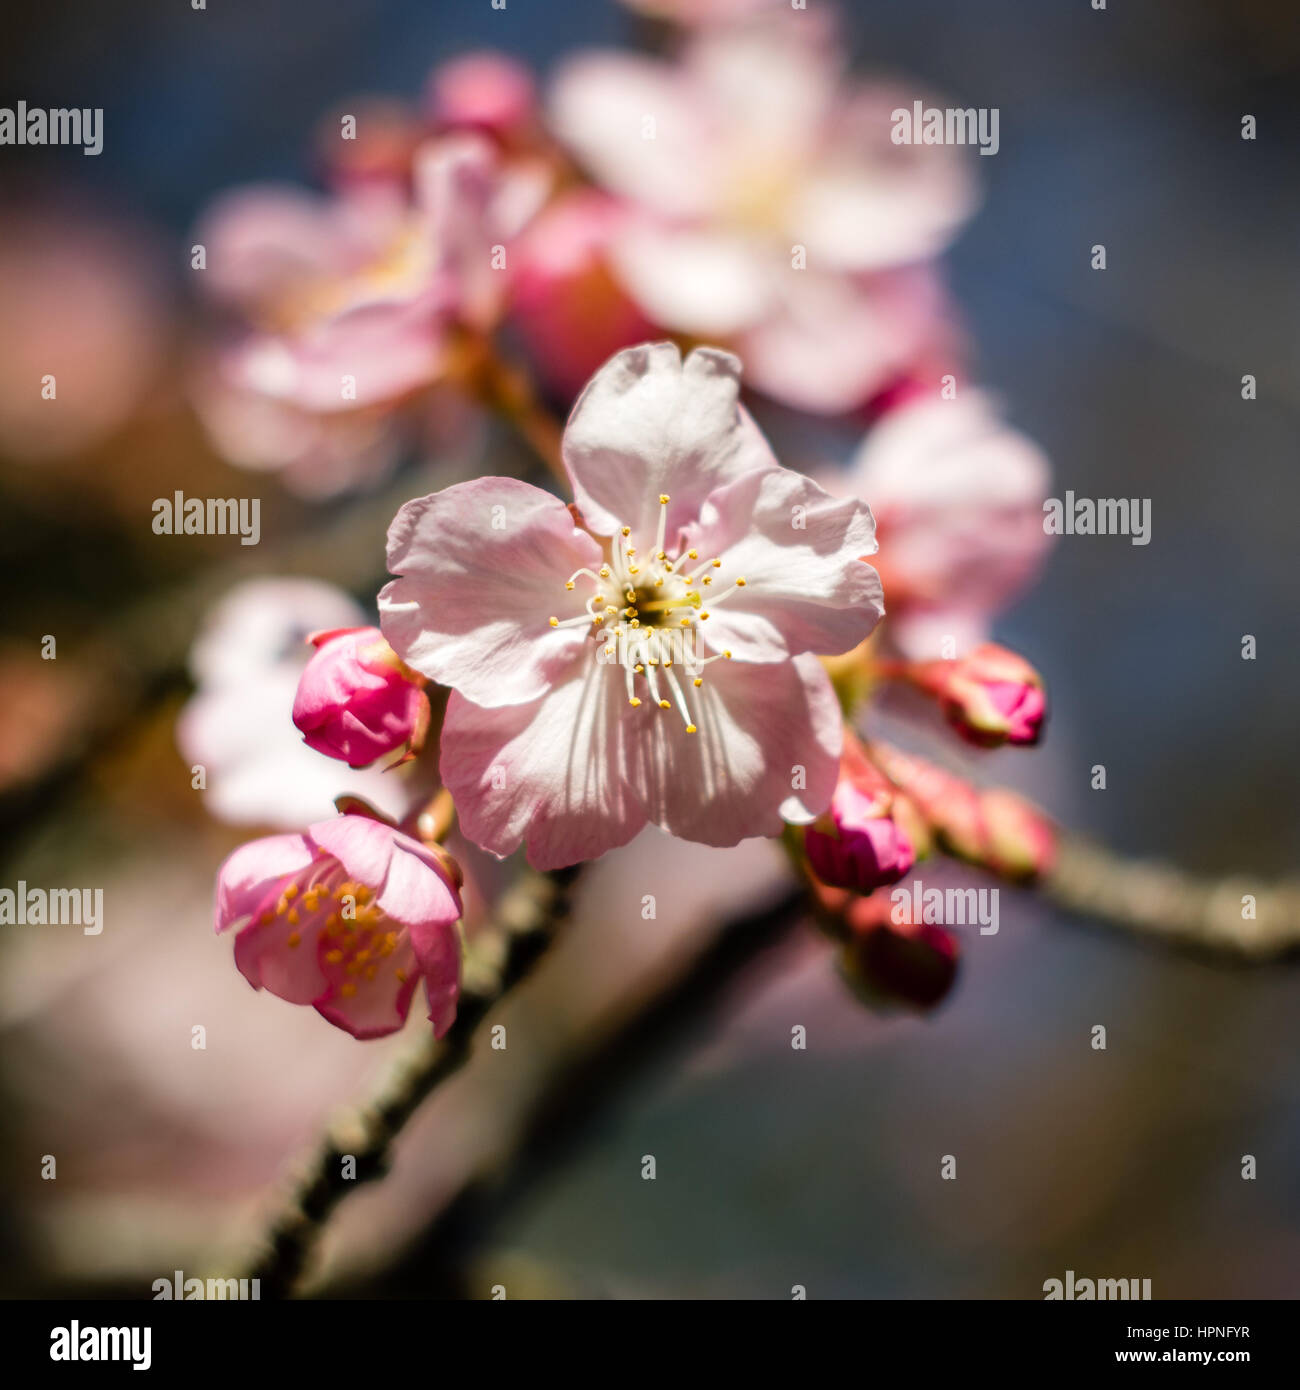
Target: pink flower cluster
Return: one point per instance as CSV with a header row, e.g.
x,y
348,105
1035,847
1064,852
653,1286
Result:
x,y
689,637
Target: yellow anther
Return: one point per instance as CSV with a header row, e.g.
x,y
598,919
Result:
x,y
568,584
627,530
703,616
348,990
291,890
691,729
699,681
692,554
717,564
293,916
638,668
727,655
401,975
708,579
604,571
294,939
633,701
740,583
333,957
664,704
663,499
555,622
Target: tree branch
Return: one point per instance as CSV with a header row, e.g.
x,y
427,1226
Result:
x,y
499,957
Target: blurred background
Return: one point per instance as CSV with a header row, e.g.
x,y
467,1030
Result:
x,y
775,1167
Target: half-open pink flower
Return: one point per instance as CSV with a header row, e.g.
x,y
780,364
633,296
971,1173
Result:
x,y
348,917
649,655
990,696
356,701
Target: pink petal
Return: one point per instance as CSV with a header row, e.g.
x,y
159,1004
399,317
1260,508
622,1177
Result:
x,y
807,588
548,773
481,569
376,1007
247,875
832,340
702,282
599,105
438,953
649,424
763,731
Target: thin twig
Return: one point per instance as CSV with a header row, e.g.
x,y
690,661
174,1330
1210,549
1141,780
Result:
x,y
499,957
1236,915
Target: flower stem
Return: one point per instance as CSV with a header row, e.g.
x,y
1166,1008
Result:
x,y
1236,915
498,957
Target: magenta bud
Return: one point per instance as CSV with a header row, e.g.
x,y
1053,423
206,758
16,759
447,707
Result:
x,y
991,697
858,844
356,701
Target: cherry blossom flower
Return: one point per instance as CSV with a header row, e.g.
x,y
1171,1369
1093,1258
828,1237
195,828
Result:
x,y
774,213
344,307
958,497
566,304
247,662
348,917
356,701
648,656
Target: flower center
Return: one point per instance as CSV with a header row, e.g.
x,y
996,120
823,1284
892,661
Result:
x,y
645,613
323,904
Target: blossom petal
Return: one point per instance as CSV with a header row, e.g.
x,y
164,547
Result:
x,y
248,875
481,568
650,424
959,496
438,954
832,340
702,282
800,552
600,103
767,752
549,773
370,1008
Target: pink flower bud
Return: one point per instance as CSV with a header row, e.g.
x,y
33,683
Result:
x,y
859,843
356,701
888,964
486,90
990,696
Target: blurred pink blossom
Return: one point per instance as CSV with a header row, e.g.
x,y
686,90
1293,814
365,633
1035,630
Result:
x,y
344,307
247,662
773,211
565,302
85,317
958,497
